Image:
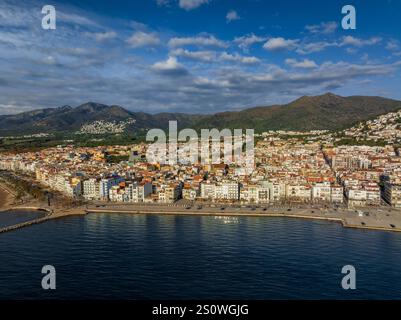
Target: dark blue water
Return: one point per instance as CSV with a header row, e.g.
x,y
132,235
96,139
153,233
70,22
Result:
x,y
10,218
169,257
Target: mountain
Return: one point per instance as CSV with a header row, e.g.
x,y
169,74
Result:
x,y
64,118
68,119
326,111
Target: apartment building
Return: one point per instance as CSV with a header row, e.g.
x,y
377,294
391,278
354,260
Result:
x,y
227,191
91,189
298,193
321,192
337,194
392,194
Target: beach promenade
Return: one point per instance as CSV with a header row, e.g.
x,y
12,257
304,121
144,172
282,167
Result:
x,y
365,218
385,219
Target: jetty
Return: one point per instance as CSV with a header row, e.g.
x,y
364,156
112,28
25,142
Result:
x,y
49,215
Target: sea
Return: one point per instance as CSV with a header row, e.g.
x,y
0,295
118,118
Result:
x,y
123,256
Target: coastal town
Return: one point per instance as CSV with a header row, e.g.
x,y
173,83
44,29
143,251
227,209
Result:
x,y
290,167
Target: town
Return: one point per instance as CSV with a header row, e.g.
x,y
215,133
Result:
x,y
289,167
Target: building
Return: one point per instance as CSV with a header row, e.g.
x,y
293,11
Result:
x,y
298,193
254,194
138,192
91,189
276,191
321,192
106,184
337,194
392,194
189,192
227,191
356,197
207,190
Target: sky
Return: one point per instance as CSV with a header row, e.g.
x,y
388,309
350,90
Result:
x,y
195,56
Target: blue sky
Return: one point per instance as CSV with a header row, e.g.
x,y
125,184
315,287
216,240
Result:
x,y
197,56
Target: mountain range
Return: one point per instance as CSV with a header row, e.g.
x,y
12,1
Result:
x,y
327,111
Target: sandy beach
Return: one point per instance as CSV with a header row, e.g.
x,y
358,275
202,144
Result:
x,y
6,197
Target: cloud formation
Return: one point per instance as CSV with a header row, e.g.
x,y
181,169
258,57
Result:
x,y
150,68
170,67
245,42
323,28
232,15
305,64
202,41
274,44
142,39
191,4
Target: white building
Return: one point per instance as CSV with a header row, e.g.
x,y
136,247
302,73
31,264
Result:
x,y
227,191
298,192
356,196
337,194
91,189
321,192
208,190
276,191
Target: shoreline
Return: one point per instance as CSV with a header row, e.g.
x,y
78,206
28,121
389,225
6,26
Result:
x,y
376,219
344,222
7,197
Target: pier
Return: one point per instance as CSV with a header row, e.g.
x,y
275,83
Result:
x,y
50,214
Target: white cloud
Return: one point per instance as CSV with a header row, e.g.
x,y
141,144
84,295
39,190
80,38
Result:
x,y
143,39
170,67
206,56
232,15
213,56
238,58
306,48
315,47
323,28
209,41
246,41
36,64
191,4
351,50
76,19
103,36
280,43
393,45
305,64
352,41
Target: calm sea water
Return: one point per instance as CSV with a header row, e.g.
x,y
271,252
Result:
x,y
177,257
14,217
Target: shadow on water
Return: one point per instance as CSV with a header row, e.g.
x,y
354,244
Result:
x,y
10,218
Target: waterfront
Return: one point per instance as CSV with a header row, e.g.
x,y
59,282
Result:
x,y
166,257
11,218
